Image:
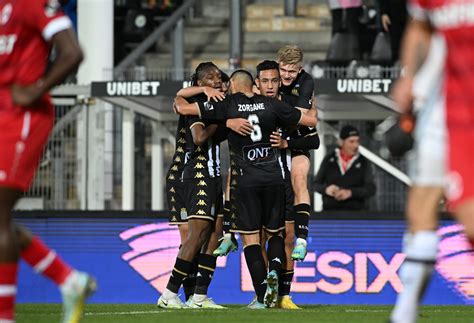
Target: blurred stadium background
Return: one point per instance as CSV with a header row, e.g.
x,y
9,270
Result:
x,y
98,195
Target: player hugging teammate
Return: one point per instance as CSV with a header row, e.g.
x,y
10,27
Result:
x,y
267,132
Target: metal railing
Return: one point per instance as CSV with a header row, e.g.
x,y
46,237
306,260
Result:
x,y
321,70
56,180
174,21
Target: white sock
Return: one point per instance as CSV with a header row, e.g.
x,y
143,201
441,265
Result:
x,y
70,283
421,252
198,298
167,294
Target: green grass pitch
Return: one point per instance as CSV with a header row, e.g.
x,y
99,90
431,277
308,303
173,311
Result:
x,y
144,313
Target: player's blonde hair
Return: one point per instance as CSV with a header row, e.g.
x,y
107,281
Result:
x,y
290,54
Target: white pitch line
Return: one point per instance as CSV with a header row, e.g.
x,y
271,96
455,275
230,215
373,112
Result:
x,y
309,310
123,313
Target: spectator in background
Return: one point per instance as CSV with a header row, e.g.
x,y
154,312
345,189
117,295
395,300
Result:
x,y
345,15
345,178
393,14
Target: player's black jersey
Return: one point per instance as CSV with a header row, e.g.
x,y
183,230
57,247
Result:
x,y
256,162
201,161
303,88
285,154
177,165
296,101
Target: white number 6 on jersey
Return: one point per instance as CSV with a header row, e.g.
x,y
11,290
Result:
x,y
257,131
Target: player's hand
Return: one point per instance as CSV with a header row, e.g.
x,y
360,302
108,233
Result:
x,y
386,22
402,94
331,190
343,194
213,94
255,89
240,125
277,141
26,95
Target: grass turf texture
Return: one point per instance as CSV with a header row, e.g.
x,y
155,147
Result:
x,y
125,313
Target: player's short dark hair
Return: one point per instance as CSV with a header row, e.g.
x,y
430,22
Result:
x,y
201,70
242,73
225,77
267,65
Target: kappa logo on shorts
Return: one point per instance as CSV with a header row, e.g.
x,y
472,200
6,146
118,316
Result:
x,y
201,203
202,183
199,166
201,193
199,175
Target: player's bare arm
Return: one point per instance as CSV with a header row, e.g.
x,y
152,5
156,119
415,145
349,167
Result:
x,y
308,120
210,92
184,108
69,57
414,51
201,134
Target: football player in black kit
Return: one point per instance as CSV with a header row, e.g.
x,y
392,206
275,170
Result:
x,y
297,82
259,190
268,82
195,197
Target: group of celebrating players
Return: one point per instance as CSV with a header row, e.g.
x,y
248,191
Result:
x,y
270,124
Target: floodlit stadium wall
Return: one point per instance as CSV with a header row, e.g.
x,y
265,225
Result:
x,y
349,262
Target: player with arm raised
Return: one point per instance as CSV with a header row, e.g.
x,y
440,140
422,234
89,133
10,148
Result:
x,y
203,198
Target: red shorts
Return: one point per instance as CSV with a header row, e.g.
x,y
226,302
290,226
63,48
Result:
x,y
460,165
23,134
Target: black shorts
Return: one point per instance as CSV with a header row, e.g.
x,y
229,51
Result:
x,y
289,199
175,197
257,208
201,199
300,152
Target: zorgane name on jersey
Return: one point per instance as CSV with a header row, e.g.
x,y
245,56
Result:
x,y
256,162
